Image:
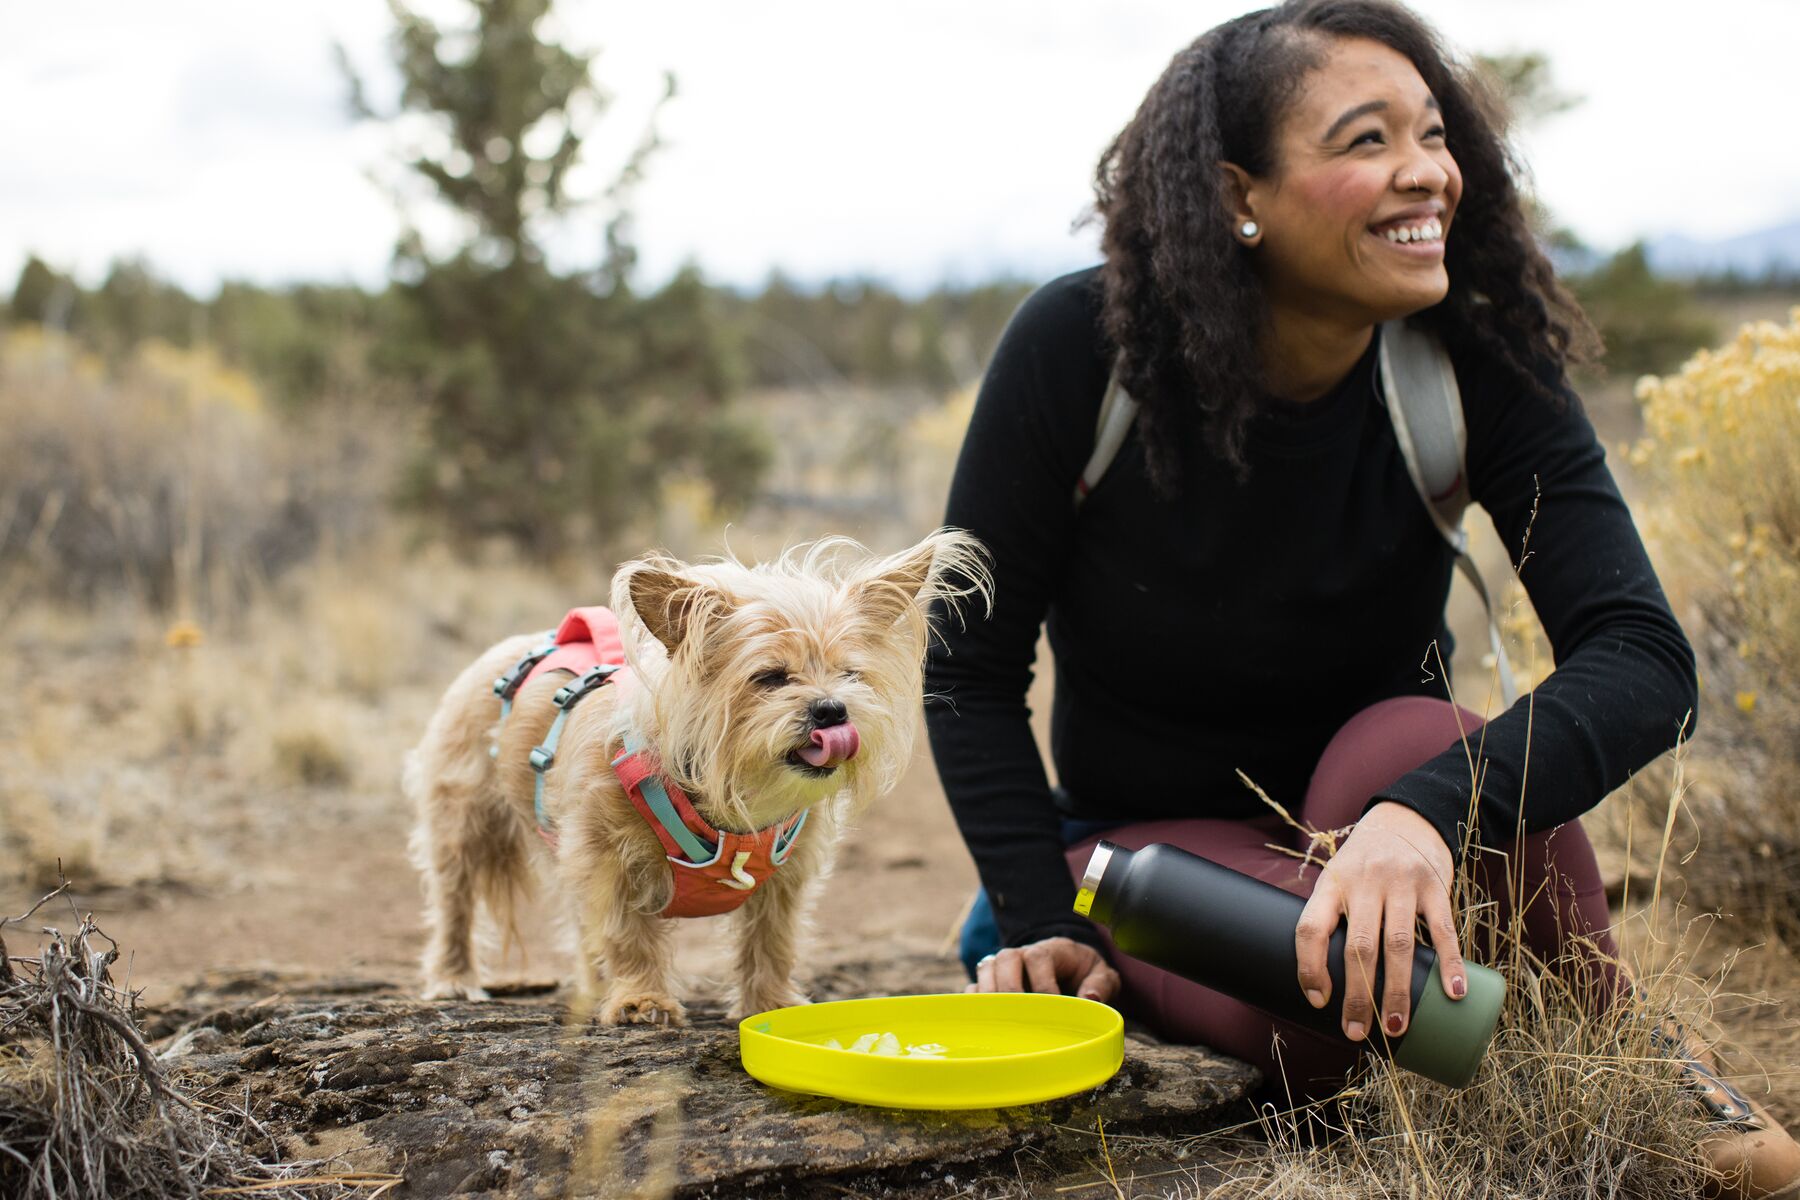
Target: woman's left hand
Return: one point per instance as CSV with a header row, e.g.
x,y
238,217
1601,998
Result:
x,y
1393,869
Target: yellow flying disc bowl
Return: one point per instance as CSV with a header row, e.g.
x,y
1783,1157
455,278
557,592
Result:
x,y
998,1049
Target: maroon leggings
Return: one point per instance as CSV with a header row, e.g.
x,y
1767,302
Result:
x,y
1554,871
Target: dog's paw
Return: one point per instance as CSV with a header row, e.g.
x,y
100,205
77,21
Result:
x,y
454,989
642,1010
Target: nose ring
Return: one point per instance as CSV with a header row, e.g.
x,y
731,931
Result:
x,y
1415,182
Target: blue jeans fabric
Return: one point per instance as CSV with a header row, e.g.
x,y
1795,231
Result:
x,y
980,932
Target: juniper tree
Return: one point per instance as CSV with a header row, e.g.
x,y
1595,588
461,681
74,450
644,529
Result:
x,y
560,399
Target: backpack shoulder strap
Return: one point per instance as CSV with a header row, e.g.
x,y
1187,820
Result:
x,y
1418,386
1117,411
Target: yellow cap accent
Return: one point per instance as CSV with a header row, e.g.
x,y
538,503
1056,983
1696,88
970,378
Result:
x,y
1084,900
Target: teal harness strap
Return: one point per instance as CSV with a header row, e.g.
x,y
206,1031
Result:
x,y
543,756
785,842
700,853
507,686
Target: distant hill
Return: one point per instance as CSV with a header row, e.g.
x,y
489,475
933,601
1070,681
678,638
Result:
x,y
1758,255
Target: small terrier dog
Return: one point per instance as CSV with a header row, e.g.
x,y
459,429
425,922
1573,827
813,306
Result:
x,y
781,698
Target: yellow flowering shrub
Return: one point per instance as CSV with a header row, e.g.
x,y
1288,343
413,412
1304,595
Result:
x,y
191,379
1722,448
1721,455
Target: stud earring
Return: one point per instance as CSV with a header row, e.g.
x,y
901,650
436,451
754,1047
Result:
x,y
1249,229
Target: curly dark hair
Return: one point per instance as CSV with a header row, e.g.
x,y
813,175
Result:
x,y
1182,301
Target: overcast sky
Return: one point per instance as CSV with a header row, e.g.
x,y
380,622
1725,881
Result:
x,y
914,141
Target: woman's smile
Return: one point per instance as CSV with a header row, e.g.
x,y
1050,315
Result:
x,y
1418,232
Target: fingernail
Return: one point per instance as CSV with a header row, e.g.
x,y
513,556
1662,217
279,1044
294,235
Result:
x,y
1395,1023
1355,1031
1459,987
1315,997
1090,995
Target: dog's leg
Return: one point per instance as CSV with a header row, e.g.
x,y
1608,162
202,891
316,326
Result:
x,y
634,945
642,962
591,908
772,923
474,852
448,869
639,956
590,961
465,845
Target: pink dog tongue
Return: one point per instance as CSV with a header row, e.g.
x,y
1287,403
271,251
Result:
x,y
832,745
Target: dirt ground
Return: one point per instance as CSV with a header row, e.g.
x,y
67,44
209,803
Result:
x,y
341,900
332,893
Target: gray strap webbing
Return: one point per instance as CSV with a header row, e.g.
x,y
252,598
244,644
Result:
x,y
543,757
507,686
1425,407
1424,404
1117,411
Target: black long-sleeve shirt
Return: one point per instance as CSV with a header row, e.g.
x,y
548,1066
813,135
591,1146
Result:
x,y
1239,625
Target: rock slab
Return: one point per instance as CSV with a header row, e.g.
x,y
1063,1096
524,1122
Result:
x,y
513,1098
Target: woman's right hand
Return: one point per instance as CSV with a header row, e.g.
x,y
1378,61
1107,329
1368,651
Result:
x,y
1054,966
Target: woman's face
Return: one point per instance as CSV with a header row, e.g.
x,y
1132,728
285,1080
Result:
x,y
1355,213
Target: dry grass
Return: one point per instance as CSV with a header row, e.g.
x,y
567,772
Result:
x,y
86,1109
163,689
1569,1104
138,749
1573,1100
168,481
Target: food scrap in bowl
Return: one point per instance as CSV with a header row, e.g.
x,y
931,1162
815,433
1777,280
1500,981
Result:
x,y
887,1044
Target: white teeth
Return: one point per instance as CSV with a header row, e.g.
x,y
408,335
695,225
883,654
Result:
x,y
1430,231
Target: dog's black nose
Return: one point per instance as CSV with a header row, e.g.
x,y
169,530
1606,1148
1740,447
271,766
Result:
x,y
826,712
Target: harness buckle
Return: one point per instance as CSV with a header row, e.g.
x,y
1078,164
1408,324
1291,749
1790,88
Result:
x,y
541,758
507,684
569,693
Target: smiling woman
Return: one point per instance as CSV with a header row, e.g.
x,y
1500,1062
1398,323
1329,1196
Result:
x,y
1253,585
1352,226
1326,129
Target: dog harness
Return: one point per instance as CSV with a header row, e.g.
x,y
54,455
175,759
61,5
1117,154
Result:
x,y
714,871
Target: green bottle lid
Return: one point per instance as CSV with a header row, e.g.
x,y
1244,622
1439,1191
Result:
x,y
1447,1038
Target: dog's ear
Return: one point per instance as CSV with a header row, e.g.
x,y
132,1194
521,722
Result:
x,y
947,566
892,585
672,606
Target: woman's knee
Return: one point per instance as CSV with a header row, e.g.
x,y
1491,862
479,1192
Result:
x,y
1376,747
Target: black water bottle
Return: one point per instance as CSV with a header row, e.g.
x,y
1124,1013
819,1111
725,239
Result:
x,y
1234,934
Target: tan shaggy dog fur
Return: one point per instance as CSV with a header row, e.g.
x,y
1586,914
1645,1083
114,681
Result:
x,y
726,660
